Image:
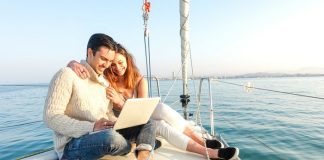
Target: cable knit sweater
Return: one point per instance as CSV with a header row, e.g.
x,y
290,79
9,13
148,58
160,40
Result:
x,y
73,105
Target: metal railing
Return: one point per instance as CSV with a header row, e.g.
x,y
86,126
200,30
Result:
x,y
211,109
157,83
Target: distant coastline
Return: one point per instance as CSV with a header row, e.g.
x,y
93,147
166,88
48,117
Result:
x,y
249,75
260,75
272,75
25,84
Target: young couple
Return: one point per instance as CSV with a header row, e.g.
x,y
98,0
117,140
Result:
x,y
76,106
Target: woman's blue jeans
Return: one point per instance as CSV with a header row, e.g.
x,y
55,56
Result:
x,y
110,142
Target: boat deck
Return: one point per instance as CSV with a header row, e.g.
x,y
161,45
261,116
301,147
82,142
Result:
x,y
165,152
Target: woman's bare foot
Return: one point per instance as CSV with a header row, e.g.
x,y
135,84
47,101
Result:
x,y
144,155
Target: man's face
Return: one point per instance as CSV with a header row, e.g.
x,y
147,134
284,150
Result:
x,y
101,60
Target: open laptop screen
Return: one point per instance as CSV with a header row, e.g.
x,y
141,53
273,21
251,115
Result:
x,y
136,111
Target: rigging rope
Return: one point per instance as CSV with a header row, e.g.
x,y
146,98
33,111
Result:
x,y
176,101
146,10
270,90
229,121
198,116
255,138
177,76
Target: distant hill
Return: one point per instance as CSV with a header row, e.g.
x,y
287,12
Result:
x,y
304,72
310,70
265,75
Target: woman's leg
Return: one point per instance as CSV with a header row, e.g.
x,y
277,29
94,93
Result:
x,y
173,136
169,115
96,145
183,142
197,148
193,135
172,117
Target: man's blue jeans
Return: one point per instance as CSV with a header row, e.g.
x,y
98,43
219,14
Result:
x,y
110,142
143,135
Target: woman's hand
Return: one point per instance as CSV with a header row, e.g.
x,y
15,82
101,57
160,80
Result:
x,y
115,97
79,69
103,124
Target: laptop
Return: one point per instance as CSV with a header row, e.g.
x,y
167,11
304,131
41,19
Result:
x,y
136,111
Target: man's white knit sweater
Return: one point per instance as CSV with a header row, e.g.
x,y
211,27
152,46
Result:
x,y
73,105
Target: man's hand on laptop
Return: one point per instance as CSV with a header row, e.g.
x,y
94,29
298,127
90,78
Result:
x,y
102,124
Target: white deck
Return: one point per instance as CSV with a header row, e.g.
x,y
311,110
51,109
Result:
x,y
165,152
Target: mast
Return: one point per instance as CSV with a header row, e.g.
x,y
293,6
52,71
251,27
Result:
x,y
184,33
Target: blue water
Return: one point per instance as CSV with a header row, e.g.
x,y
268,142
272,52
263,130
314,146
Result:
x,y
264,125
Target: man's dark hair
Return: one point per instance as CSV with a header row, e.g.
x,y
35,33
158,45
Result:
x,y
99,40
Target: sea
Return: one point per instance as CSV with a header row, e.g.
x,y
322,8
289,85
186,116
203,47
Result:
x,y
279,119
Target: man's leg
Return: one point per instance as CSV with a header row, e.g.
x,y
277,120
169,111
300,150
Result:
x,y
146,140
144,135
97,145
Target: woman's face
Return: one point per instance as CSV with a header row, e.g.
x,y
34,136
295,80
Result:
x,y
119,64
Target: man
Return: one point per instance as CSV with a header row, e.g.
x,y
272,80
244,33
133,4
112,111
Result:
x,y
78,111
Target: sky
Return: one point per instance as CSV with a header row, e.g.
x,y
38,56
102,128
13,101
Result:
x,y
227,37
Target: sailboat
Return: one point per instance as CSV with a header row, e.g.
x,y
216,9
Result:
x,y
166,151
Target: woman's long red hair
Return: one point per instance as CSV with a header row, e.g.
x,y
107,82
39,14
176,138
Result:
x,y
131,74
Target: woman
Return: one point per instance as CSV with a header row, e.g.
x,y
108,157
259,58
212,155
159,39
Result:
x,y
126,82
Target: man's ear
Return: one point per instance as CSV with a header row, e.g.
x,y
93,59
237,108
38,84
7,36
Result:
x,y
89,52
